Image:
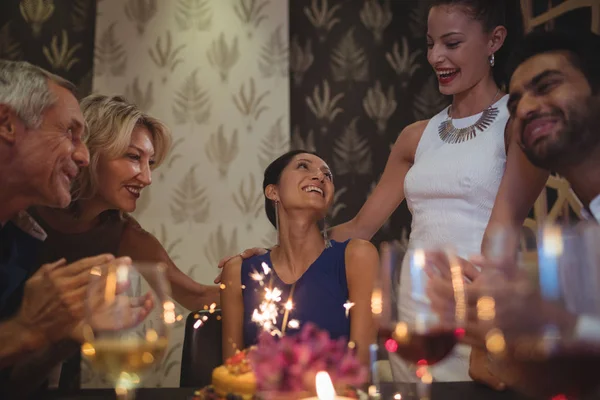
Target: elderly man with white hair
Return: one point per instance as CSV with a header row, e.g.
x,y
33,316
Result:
x,y
41,152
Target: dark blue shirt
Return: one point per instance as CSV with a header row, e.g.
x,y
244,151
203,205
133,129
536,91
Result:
x,y
319,294
18,261
20,242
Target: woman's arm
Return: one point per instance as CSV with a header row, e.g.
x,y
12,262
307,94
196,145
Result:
x,y
521,185
389,192
362,261
232,306
143,246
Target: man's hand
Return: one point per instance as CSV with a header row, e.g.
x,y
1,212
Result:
x,y
53,299
107,308
441,293
480,372
438,263
255,251
442,287
122,313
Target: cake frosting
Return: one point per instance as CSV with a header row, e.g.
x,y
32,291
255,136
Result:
x,y
235,377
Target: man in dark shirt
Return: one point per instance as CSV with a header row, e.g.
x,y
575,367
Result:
x,y
41,152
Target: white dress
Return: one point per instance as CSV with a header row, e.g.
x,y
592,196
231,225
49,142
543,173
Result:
x,y
450,191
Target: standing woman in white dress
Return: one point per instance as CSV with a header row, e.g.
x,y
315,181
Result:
x,y
459,171
454,167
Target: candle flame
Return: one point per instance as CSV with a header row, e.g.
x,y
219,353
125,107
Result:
x,y
325,390
419,258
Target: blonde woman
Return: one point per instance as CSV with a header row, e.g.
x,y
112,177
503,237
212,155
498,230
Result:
x,y
125,146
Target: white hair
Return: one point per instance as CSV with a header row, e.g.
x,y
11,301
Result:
x,y
24,88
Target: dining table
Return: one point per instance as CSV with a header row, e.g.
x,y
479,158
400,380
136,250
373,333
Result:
x,y
439,391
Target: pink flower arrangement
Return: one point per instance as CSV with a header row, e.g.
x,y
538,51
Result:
x,y
290,364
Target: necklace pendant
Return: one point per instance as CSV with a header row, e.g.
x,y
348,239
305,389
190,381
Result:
x,y
450,134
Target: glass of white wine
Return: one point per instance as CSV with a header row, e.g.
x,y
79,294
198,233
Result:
x,y
128,318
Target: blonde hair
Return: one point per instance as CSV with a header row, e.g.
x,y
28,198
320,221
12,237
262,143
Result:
x,y
111,121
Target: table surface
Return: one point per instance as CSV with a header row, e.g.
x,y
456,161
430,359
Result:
x,y
440,391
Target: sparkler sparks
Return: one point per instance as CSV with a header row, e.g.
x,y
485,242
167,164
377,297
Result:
x,y
273,294
294,324
348,305
269,309
289,305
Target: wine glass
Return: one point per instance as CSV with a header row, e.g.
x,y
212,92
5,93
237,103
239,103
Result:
x,y
128,318
537,280
541,285
569,277
408,325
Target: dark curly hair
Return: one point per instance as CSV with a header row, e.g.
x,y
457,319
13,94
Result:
x,y
583,49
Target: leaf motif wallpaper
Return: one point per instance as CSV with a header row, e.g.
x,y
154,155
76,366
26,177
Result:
x,y
216,72
359,75
56,35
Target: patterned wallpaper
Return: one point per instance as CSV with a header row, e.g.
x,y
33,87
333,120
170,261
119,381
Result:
x,y
217,73
56,35
359,75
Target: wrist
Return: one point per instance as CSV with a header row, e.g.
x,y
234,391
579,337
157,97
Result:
x,y
27,336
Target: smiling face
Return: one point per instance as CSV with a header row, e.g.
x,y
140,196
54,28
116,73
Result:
x,y
459,48
51,155
553,110
305,183
121,180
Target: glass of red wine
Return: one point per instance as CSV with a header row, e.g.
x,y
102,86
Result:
x,y
569,279
557,268
544,289
408,326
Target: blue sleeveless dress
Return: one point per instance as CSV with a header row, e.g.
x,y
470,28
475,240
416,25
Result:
x,y
319,295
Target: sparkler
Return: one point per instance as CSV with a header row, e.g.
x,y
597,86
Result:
x,y
348,305
268,310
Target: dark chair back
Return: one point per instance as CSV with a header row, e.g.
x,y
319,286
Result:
x,y
202,350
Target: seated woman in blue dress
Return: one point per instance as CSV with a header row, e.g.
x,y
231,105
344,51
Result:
x,y
320,278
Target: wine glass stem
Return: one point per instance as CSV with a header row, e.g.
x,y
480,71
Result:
x,y
125,394
424,383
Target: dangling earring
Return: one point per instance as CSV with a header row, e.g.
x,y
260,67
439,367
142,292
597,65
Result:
x,y
277,222
492,60
325,237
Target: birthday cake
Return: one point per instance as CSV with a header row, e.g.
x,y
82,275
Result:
x,y
285,368
234,380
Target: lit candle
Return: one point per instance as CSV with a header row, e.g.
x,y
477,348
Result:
x,y
548,258
325,389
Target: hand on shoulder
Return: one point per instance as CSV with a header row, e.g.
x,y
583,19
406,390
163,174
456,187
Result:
x,y
233,262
